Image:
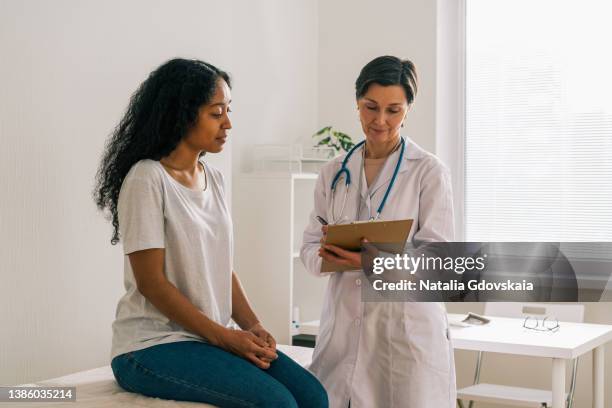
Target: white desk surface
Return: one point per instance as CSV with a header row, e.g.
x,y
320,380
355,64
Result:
x,y
507,335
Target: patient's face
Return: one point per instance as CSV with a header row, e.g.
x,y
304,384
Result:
x,y
213,124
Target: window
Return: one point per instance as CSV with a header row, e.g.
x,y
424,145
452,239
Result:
x,y
538,124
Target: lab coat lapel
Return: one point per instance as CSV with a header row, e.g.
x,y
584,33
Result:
x,y
411,152
355,166
365,196
386,172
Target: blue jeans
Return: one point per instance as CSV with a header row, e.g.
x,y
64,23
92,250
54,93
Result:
x,y
196,371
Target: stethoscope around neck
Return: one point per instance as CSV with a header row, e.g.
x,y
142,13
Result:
x,y
347,181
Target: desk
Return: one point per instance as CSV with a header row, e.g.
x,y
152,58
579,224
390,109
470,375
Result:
x,y
507,335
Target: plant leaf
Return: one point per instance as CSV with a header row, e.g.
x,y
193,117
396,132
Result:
x,y
325,129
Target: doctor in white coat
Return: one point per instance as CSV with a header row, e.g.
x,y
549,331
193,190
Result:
x,y
382,354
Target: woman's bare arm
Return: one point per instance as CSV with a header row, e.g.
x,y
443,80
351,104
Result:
x,y
148,267
243,314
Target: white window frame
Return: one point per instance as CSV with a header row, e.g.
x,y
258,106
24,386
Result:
x,y
450,100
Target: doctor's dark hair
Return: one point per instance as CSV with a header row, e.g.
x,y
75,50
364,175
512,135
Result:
x,y
159,115
385,71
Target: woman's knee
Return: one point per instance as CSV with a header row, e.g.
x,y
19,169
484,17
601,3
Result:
x,y
279,397
118,366
316,395
305,387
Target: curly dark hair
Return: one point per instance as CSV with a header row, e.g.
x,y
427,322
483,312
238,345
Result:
x,y
160,114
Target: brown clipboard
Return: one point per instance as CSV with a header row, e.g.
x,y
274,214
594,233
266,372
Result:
x,y
348,236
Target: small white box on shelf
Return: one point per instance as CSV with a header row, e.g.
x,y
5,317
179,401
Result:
x,y
290,158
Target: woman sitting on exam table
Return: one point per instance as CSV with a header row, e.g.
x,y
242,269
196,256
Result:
x,y
172,337
382,354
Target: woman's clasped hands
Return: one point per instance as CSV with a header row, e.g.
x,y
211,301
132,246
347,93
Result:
x,y
255,344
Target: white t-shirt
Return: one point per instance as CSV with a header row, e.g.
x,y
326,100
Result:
x,y
194,227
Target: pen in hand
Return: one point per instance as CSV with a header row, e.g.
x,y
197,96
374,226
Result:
x,y
324,229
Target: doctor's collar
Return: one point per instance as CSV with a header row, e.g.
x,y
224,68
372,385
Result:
x,y
413,151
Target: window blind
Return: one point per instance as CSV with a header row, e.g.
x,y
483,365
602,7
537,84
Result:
x,y
538,147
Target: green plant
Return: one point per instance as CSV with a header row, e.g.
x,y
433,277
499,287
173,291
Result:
x,y
335,139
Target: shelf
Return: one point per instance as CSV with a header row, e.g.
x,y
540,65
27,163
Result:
x,y
315,160
290,284
303,160
304,176
311,328
280,174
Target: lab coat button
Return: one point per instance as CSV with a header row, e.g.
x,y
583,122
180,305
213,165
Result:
x,y
358,282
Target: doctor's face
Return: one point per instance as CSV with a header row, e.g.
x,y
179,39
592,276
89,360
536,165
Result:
x,y
213,124
382,110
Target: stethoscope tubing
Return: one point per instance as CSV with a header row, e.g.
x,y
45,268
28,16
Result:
x,y
347,179
344,169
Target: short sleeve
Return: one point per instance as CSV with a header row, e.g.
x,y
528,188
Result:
x,y
141,215
219,178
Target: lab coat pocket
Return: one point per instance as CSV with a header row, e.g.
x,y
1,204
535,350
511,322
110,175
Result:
x,y
427,342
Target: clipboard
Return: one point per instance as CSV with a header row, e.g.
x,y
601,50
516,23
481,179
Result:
x,y
392,234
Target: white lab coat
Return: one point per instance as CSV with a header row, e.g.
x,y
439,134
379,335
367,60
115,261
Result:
x,y
384,354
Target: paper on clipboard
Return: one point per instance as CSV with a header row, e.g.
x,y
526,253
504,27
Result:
x,y
349,236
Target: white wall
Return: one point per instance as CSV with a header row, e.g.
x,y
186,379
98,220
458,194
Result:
x,y
68,69
351,33
275,75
